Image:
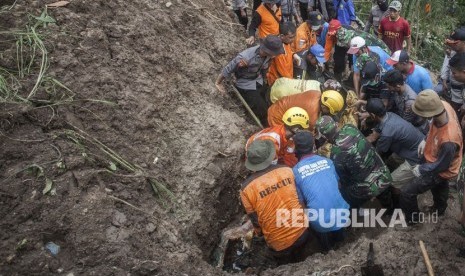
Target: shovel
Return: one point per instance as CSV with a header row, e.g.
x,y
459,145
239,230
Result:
x,y
370,268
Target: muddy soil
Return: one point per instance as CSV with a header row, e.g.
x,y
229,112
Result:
x,y
156,62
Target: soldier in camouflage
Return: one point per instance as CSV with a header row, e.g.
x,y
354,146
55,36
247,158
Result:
x,y
361,171
345,34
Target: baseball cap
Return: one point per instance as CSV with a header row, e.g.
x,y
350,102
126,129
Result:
x,y
260,154
355,44
319,52
303,141
398,56
334,25
396,5
272,45
456,36
369,73
315,19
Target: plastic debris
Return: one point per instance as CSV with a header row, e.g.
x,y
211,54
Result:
x,y
53,248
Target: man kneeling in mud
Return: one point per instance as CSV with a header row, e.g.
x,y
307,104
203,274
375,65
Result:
x,y
268,190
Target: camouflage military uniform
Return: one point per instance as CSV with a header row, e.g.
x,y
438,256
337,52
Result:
x,y
345,34
361,170
366,57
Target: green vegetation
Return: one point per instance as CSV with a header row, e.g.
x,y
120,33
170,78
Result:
x,y
431,22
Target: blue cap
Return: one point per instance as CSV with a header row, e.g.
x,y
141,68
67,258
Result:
x,y
319,52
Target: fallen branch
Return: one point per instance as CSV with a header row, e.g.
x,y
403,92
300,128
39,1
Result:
x,y
130,205
197,7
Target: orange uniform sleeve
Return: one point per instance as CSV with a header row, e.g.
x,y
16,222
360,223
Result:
x,y
330,42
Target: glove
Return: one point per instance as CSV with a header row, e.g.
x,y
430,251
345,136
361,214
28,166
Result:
x,y
297,60
421,148
416,171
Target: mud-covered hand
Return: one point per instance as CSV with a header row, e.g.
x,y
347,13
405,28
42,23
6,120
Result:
x,y
250,40
416,171
421,148
219,84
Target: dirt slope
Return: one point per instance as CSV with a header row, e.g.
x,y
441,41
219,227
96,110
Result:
x,y
158,64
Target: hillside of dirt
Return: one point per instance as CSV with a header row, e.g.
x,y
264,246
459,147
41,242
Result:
x,y
134,168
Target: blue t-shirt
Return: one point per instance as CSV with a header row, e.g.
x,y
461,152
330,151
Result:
x,y
321,39
419,79
383,57
317,186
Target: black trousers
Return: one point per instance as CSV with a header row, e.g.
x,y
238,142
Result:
x,y
243,20
340,54
303,10
408,199
329,239
256,101
351,196
294,253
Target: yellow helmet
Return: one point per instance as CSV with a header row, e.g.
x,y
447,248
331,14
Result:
x,y
332,100
296,116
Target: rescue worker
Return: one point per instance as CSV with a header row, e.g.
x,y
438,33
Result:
x,y
362,54
403,98
266,20
314,103
442,152
317,186
456,42
342,112
377,13
339,37
393,134
306,33
269,190
362,172
283,65
249,67
457,68
417,77
292,121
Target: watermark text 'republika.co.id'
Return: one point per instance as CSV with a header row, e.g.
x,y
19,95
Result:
x,y
344,218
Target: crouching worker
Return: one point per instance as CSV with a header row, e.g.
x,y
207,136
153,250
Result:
x,y
293,120
361,170
266,195
317,187
442,151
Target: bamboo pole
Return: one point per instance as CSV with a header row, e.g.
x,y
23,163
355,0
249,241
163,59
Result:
x,y
426,258
247,107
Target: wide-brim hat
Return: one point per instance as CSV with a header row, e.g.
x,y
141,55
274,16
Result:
x,y
260,155
427,104
272,45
